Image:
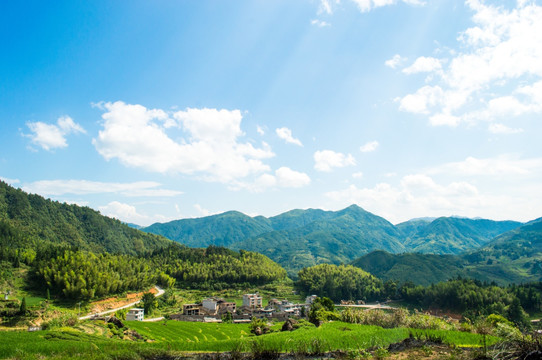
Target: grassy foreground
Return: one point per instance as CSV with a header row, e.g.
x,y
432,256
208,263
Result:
x,y
194,337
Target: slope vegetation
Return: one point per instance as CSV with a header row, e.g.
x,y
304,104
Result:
x,y
28,220
451,235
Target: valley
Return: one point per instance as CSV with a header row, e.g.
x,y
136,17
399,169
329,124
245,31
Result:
x,y
486,273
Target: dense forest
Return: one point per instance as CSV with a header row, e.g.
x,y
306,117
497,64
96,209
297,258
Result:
x,y
28,221
340,282
76,253
469,297
85,275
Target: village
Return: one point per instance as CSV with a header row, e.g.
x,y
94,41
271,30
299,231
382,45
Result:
x,y
215,309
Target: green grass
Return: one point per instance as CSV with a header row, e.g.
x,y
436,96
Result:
x,y
333,336
192,336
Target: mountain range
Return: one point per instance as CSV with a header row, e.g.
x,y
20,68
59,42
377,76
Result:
x,y
422,250
301,238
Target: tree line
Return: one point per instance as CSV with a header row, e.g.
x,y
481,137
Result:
x,y
472,298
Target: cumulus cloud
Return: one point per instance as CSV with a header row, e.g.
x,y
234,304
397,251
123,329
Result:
x,y
368,5
326,7
85,187
416,195
369,147
287,177
326,160
396,61
124,212
423,64
205,142
52,136
286,134
284,177
497,74
486,187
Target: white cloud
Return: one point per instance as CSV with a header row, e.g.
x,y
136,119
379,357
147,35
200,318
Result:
x,y
51,136
320,23
503,129
423,64
283,177
395,61
504,165
286,134
326,160
85,187
444,119
496,74
10,181
369,147
123,212
486,187
289,178
210,147
325,7
260,130
201,211
368,5
357,175
415,196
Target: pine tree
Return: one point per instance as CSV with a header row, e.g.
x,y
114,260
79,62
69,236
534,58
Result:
x,y
22,309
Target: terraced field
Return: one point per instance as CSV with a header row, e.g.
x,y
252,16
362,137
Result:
x,y
175,336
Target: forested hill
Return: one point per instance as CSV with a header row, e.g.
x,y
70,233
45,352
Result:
x,y
300,238
294,239
452,235
520,248
513,257
74,252
334,237
221,230
28,221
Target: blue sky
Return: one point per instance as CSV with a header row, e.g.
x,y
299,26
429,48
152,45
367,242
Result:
x,y
157,110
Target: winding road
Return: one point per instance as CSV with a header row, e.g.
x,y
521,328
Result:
x,y
159,293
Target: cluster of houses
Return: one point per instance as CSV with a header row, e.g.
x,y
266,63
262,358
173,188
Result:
x,y
213,309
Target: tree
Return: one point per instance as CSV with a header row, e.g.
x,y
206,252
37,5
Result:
x,y
227,318
149,303
22,309
517,315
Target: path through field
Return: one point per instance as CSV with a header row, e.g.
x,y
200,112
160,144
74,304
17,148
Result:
x,y
159,292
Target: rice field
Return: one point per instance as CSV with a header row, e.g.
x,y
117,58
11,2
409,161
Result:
x,y
208,337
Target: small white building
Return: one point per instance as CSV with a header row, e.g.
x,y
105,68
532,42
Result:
x,y
135,314
210,304
252,301
310,299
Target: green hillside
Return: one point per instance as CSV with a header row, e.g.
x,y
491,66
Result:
x,y
513,257
451,235
336,237
74,252
422,269
28,220
301,238
221,230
